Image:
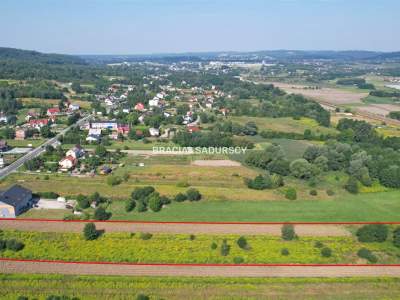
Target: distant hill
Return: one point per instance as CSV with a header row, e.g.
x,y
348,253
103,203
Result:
x,y
38,57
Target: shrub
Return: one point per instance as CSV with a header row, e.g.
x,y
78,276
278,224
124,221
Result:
x,y
130,205
225,248
396,237
180,197
288,232
83,202
142,297
326,252
48,195
367,254
259,182
141,206
14,245
313,193
141,193
183,184
155,203
352,185
101,214
291,193
145,236
3,245
90,232
285,251
330,192
372,233
113,180
238,260
165,200
193,194
242,243
192,237
214,245
318,244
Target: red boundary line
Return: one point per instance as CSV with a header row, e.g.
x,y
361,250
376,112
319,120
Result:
x,y
196,222
191,264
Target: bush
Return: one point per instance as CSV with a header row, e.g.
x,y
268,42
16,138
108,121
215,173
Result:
x,y
242,243
101,214
141,193
326,252
90,232
238,260
372,233
165,200
14,245
145,236
318,244
48,195
141,206
259,182
130,205
3,245
193,194
192,237
291,193
214,245
83,203
367,254
352,185
183,184
155,203
330,192
288,232
180,197
313,193
396,237
142,297
113,180
285,251
225,248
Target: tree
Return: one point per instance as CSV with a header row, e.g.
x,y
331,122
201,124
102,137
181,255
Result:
x,y
367,254
242,243
288,232
260,182
180,197
100,151
155,203
14,245
193,194
142,297
90,232
396,237
46,132
372,233
141,193
130,205
326,252
225,248
352,185
101,214
302,169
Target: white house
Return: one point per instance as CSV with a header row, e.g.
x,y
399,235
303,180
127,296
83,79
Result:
x,y
74,106
154,131
154,102
67,163
94,131
76,152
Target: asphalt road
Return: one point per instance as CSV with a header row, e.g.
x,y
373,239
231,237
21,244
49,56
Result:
x,y
38,150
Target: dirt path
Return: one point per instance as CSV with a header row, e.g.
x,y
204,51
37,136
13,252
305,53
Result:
x,y
216,163
174,228
9,266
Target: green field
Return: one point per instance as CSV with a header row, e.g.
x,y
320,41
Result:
x,y
284,124
180,248
25,143
115,287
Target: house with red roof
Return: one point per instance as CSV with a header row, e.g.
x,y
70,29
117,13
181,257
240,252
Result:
x,y
193,128
54,111
38,123
123,128
139,106
67,163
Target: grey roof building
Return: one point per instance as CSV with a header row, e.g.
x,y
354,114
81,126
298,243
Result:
x,y
14,201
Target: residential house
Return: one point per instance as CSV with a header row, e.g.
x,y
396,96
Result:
x,y
2,163
123,129
74,106
52,112
3,146
67,163
139,106
14,201
76,152
154,131
38,123
104,125
93,138
20,134
154,102
3,118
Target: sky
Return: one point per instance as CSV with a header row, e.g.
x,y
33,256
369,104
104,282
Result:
x,y
175,26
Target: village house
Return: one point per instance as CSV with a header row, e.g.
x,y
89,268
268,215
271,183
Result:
x,y
52,112
3,146
14,201
76,152
104,125
3,118
67,163
20,134
154,131
38,123
74,106
123,129
154,102
139,106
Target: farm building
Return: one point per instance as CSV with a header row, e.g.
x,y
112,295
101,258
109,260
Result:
x,y
14,201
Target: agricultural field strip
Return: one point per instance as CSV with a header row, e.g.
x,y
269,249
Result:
x,y
174,228
71,268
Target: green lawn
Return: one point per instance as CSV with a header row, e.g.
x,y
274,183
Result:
x,y
174,288
367,207
25,143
